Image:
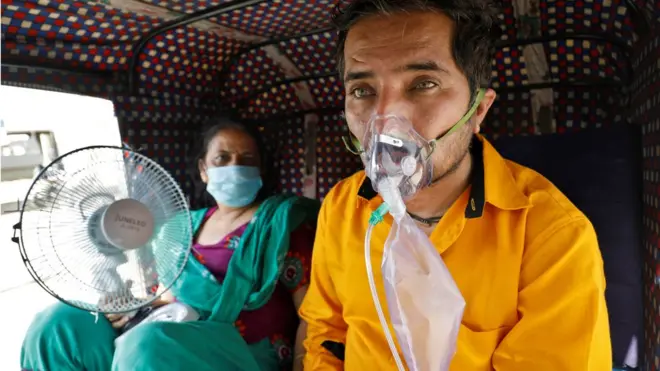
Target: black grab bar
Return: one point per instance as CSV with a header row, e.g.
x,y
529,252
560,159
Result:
x,y
175,23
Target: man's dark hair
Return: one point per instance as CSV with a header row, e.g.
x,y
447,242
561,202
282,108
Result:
x,y
199,149
475,21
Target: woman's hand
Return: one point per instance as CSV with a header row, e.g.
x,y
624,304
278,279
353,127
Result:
x,y
119,320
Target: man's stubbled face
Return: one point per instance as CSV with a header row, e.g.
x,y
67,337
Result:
x,y
403,64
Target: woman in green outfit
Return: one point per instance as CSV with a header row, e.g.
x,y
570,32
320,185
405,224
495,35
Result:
x,y
248,276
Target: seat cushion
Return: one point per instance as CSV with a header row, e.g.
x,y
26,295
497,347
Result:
x,y
599,170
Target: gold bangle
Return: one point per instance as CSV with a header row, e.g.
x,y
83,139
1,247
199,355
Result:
x,y
299,356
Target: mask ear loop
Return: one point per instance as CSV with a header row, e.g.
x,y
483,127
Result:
x,y
352,144
480,96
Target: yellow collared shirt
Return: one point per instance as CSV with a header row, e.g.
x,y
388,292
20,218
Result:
x,y
524,257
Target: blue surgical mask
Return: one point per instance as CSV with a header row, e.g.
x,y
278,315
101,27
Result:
x,y
234,186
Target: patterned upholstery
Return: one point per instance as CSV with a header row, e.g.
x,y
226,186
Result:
x,y
158,128
55,80
646,112
189,73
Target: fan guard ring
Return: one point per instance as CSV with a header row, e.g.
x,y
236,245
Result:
x,y
74,246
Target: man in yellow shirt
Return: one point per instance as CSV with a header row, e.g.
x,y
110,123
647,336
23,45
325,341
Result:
x,y
524,258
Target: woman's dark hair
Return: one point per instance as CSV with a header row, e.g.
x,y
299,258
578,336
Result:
x,y
199,149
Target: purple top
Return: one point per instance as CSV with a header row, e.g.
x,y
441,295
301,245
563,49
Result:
x,y
277,320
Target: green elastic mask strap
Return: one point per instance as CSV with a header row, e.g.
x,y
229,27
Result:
x,y
480,96
468,114
352,144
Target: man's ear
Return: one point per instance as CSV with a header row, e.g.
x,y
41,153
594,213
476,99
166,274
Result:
x,y
482,109
202,171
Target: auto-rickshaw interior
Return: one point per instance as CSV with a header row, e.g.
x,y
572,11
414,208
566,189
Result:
x,y
578,86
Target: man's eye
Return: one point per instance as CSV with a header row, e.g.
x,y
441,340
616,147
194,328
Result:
x,y
426,85
360,92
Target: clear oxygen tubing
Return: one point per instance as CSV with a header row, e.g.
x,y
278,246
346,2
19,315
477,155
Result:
x,y
377,217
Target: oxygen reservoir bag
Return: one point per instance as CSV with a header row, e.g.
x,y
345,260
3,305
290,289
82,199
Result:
x,y
424,304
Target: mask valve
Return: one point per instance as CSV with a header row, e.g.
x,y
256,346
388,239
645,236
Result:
x,y
408,166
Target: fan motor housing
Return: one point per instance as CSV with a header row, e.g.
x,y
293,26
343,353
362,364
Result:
x,y
127,224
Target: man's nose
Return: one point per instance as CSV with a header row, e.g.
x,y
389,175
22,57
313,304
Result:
x,y
392,101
